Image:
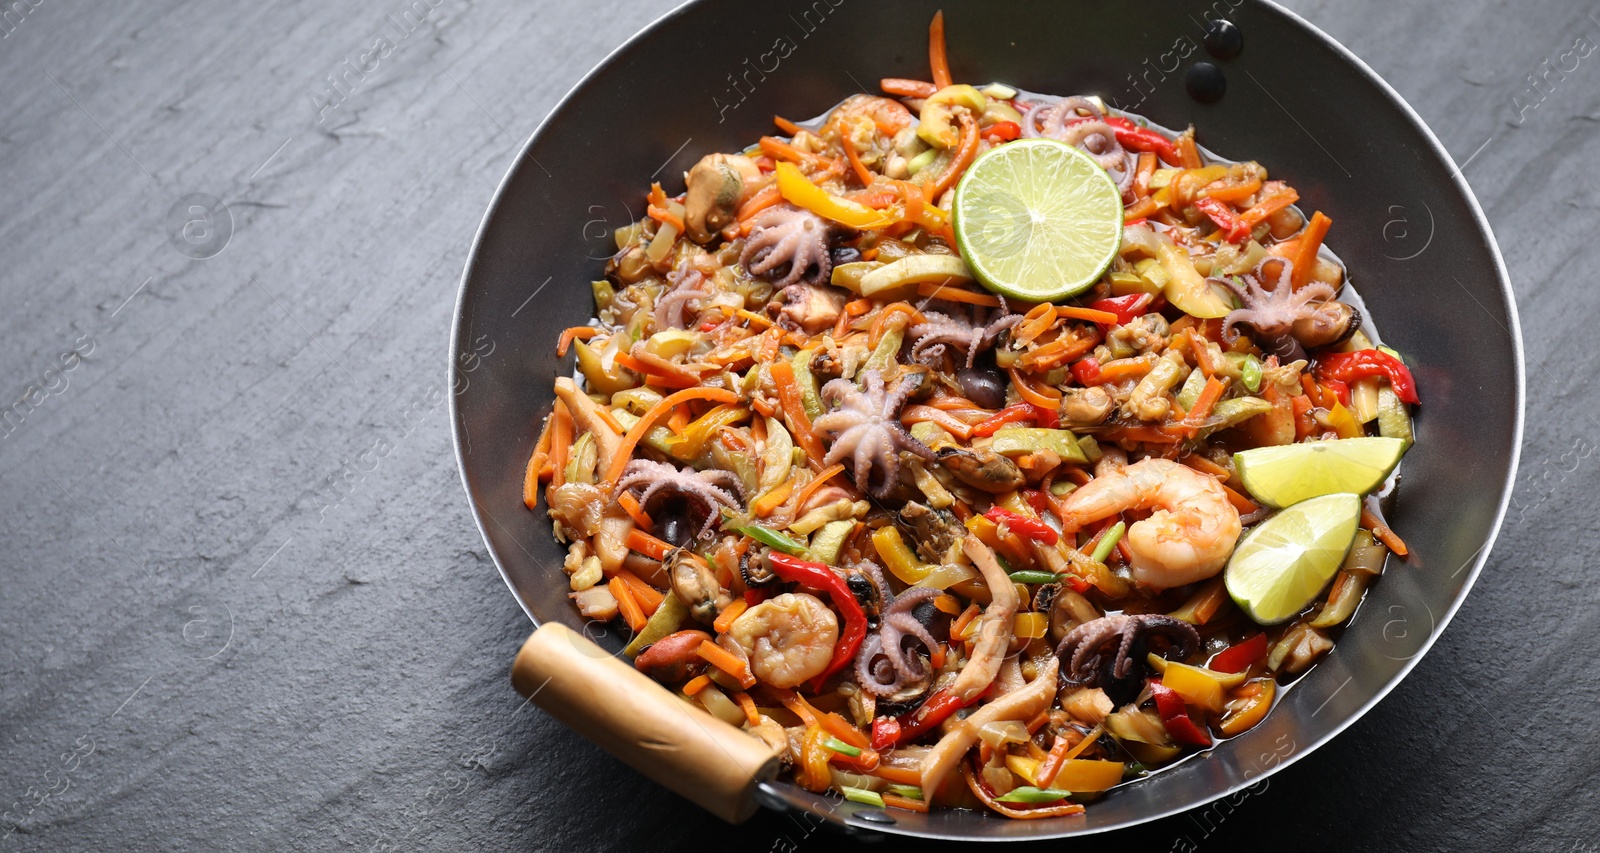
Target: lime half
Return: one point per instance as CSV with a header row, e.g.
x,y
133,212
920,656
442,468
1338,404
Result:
x,y
1290,473
1037,220
1282,564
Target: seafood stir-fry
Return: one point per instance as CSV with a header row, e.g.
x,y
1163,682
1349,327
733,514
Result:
x,y
942,547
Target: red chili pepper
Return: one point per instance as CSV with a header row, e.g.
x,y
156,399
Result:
x,y
1227,221
820,577
912,724
754,596
1005,131
1079,585
1027,528
1350,366
1125,307
1014,414
1137,138
885,733
1087,372
1175,715
1239,656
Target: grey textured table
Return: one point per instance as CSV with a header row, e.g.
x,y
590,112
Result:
x,y
243,604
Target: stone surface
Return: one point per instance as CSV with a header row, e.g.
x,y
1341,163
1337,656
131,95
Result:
x,y
244,606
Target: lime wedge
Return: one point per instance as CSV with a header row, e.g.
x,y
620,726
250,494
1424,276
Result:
x,y
1281,565
1037,219
1290,473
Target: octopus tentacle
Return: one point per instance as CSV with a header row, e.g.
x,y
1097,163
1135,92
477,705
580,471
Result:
x,y
708,488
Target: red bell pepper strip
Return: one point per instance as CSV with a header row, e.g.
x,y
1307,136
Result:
x,y
1339,389
1003,131
1037,500
1027,528
1175,716
1087,372
1125,307
1239,656
1136,138
1351,366
1015,414
887,732
820,577
1227,221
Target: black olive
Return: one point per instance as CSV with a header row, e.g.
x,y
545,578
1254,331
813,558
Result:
x,y
1205,82
845,255
985,386
1224,39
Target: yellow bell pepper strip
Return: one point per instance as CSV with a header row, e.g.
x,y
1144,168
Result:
x,y
801,192
897,557
1253,702
692,443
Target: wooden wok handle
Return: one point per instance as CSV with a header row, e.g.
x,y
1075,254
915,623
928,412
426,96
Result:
x,y
678,745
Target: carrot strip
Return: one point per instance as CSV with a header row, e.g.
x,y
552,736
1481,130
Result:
x,y
648,597
696,684
1074,312
631,506
816,483
611,420
966,150
764,505
1036,322
665,217
724,660
794,411
747,705
1268,206
648,545
1385,535
898,802
733,611
881,323
1026,390
1305,259
1113,371
631,612
762,200
959,627
786,125
938,60
855,161
1141,209
900,87
936,290
1209,395
898,775
1188,152
560,443
541,454
800,707
652,417
1142,175
851,311
840,728
1201,352
777,149
1204,465
575,333
1244,505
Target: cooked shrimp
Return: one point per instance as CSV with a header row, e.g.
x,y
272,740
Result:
x,y
1189,536
789,639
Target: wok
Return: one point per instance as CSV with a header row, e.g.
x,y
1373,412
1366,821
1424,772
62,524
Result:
x,y
710,75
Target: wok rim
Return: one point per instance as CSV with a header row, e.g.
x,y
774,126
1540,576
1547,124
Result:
x,y
1513,330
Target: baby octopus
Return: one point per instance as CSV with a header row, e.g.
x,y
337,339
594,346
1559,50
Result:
x,y
1289,320
710,488
1102,652
972,334
786,236
865,427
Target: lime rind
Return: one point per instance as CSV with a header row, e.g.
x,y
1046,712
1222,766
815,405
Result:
x,y
1284,563
1037,220
1287,474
